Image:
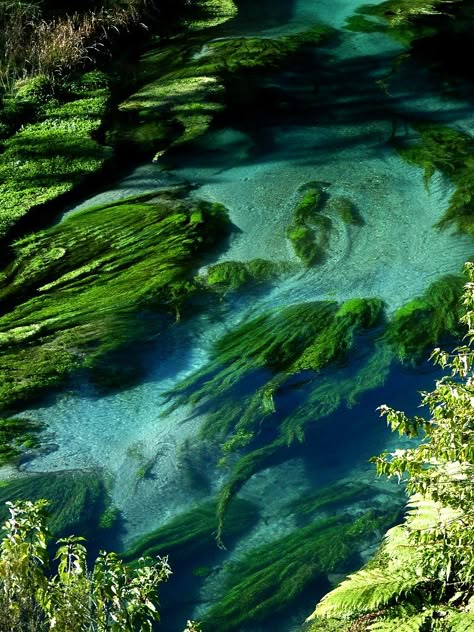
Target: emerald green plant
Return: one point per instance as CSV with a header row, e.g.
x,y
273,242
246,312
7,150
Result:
x,y
423,576
191,535
52,154
251,367
78,291
16,435
233,275
427,320
268,578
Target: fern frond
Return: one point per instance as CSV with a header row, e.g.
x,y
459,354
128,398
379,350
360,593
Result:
x,y
402,622
460,622
367,590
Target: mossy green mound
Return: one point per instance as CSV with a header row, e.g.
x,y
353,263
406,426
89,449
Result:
x,y
451,152
346,210
17,435
419,325
92,284
78,499
54,152
308,230
270,577
233,275
192,534
253,365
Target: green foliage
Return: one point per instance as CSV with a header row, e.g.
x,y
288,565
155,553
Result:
x,y
269,577
346,210
78,499
109,597
49,156
78,291
425,321
329,498
422,578
451,152
192,533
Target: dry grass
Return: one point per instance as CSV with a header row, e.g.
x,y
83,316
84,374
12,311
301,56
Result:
x,y
32,44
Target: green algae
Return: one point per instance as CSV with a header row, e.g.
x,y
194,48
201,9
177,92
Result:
x,y
17,434
83,289
78,499
183,85
330,498
192,533
252,365
269,577
309,230
345,209
229,276
422,323
50,155
451,152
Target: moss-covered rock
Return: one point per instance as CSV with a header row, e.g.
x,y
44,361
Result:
x,y
17,434
422,323
85,288
346,210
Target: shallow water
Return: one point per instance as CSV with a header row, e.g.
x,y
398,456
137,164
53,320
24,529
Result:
x,y
333,125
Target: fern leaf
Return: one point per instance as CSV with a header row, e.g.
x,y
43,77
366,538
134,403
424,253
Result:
x,y
413,623
460,622
366,591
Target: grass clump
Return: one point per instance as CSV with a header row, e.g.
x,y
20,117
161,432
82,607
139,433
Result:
x,y
330,498
50,155
192,534
78,499
451,152
309,230
422,323
345,210
81,290
269,577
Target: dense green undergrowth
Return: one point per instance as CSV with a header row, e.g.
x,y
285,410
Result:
x,y
94,283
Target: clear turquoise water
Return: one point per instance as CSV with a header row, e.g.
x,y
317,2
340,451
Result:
x,y
335,130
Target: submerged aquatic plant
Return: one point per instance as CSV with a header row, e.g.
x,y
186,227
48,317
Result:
x,y
425,321
89,286
252,366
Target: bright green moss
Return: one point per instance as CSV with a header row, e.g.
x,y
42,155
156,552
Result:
x,y
308,230
233,275
269,578
192,533
422,323
16,435
451,152
80,290
78,499
48,157
184,86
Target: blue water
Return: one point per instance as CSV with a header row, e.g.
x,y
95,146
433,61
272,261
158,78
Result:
x,y
335,129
